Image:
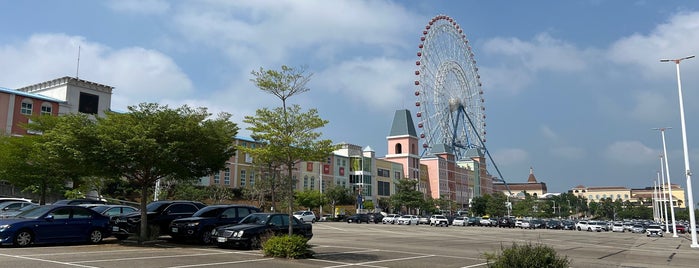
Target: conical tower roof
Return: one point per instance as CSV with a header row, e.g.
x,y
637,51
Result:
x,y
532,178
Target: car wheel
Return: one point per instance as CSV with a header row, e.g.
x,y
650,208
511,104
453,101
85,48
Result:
x,y
23,238
95,236
205,237
313,221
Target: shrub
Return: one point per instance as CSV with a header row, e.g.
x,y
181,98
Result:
x,y
291,247
527,256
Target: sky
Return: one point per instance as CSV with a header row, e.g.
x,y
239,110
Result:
x,y
573,89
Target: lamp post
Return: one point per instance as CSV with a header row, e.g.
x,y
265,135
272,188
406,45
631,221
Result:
x,y
655,201
688,172
663,195
669,184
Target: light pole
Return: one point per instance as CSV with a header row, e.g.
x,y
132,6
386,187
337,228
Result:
x,y
655,202
661,177
688,172
669,184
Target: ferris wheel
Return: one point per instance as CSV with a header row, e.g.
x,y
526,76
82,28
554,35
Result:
x,y
450,104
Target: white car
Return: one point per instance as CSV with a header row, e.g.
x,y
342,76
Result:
x,y
390,218
305,216
618,227
654,230
460,221
407,220
440,220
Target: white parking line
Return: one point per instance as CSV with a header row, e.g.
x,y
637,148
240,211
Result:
x,y
475,265
49,261
90,252
372,262
153,257
220,263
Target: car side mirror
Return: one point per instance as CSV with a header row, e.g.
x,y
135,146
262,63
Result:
x,y
48,218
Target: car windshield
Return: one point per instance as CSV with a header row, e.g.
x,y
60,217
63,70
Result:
x,y
254,219
100,208
34,212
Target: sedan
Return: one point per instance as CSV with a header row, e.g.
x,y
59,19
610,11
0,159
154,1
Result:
x,y
253,229
54,224
10,212
407,220
111,210
198,227
459,221
359,218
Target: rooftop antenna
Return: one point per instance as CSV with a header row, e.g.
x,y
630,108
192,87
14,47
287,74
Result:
x,y
77,71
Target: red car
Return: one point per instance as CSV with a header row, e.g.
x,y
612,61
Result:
x,y
681,228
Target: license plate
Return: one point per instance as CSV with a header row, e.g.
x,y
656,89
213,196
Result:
x,y
221,239
174,229
115,229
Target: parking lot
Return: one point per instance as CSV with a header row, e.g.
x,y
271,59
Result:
x,y
375,245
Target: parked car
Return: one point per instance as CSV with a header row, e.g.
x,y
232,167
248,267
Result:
x,y
14,205
485,221
638,228
407,220
440,220
654,230
14,199
11,213
325,217
680,228
390,218
459,221
305,216
506,222
198,227
424,219
112,211
568,225
54,224
473,221
618,227
554,224
536,224
359,218
79,201
159,214
582,226
375,217
251,230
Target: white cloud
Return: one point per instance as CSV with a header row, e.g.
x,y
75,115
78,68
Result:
x,y
146,7
383,83
676,38
137,74
510,157
652,107
549,133
630,153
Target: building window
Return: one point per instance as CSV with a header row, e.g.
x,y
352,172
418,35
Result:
x,y
618,196
242,178
227,176
88,103
252,178
384,188
399,148
383,173
26,107
313,182
396,175
626,196
596,196
46,109
217,178
305,182
589,197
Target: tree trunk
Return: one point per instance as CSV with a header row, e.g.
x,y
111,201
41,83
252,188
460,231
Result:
x,y
291,201
143,234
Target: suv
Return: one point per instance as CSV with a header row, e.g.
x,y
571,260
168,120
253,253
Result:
x,y
375,217
305,216
199,226
654,230
159,213
359,218
581,225
440,220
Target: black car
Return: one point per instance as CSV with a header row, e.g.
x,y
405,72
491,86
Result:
x,y
375,217
159,213
199,226
359,218
554,224
252,230
79,202
506,222
567,225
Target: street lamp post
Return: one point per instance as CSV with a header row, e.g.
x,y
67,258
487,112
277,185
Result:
x,y
688,172
669,184
661,177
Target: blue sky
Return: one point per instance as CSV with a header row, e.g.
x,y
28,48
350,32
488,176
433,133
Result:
x,y
572,88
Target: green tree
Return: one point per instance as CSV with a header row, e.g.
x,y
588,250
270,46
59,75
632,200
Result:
x,y
337,195
479,205
310,198
152,142
496,204
406,195
41,163
287,131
